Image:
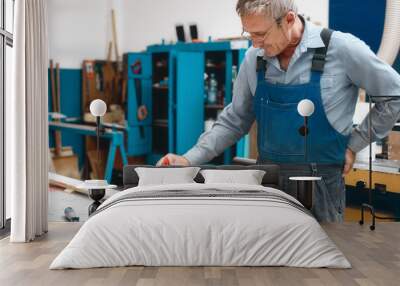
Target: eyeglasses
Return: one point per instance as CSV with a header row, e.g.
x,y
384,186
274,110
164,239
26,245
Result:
x,y
260,35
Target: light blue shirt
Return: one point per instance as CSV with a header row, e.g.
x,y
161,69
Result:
x,y
350,65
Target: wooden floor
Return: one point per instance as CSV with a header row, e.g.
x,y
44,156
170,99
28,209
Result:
x,y
375,257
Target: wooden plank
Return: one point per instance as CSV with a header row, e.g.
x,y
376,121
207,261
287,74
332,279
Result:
x,y
67,166
65,182
253,142
114,33
57,98
97,166
353,214
394,145
53,87
55,105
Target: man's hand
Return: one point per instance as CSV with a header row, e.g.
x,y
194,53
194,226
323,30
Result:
x,y
350,157
173,160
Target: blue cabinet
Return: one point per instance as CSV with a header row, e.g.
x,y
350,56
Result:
x,y
189,100
138,102
222,62
173,90
176,94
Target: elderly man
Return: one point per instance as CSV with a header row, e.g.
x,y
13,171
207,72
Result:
x,y
291,60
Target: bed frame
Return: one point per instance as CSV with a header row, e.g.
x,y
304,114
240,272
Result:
x,y
270,179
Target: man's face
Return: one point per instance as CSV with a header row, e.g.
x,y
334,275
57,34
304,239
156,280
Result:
x,y
266,33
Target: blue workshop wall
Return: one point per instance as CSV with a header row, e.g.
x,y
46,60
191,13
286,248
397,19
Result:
x,y
396,64
362,18
71,106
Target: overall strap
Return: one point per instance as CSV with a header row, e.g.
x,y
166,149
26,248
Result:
x,y
319,59
261,68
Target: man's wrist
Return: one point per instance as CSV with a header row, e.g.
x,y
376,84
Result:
x,y
352,151
187,160
356,142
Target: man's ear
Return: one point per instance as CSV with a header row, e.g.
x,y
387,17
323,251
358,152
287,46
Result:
x,y
289,19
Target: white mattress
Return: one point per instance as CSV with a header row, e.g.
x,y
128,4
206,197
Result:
x,y
200,231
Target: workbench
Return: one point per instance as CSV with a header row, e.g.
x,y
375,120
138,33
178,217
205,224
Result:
x,y
115,136
385,185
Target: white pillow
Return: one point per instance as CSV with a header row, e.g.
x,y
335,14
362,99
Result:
x,y
248,177
163,176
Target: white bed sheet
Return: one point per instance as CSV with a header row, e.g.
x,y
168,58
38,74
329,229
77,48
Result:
x,y
200,232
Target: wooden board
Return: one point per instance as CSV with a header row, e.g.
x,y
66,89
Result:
x,y
65,182
394,145
353,214
97,166
253,142
67,166
65,151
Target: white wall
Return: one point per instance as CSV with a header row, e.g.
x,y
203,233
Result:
x,y
317,10
152,20
81,29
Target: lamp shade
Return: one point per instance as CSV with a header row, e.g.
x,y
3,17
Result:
x,y
98,107
305,107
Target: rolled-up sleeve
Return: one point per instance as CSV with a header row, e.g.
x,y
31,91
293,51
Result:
x,y
379,79
234,121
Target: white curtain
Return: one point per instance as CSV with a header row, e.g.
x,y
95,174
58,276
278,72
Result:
x,y
26,123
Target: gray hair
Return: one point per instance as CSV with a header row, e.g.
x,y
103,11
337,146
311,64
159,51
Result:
x,y
271,8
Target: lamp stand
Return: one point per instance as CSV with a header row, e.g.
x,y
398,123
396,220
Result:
x,y
96,194
98,138
305,185
303,130
305,138
369,206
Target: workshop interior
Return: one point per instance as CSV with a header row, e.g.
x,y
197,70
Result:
x,y
97,94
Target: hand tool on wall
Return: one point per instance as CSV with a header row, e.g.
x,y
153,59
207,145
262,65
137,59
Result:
x,y
142,109
99,79
88,77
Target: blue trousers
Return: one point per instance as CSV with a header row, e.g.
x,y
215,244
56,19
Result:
x,y
329,195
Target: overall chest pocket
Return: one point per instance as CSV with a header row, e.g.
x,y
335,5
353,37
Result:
x,y
278,129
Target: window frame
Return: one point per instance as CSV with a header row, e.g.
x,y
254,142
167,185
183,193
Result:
x,y
6,39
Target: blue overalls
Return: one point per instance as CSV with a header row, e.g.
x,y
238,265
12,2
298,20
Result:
x,y
280,142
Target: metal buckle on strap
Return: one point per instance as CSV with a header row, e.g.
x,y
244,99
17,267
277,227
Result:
x,y
314,169
261,63
320,56
318,61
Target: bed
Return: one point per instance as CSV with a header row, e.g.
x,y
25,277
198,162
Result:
x,y
198,224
